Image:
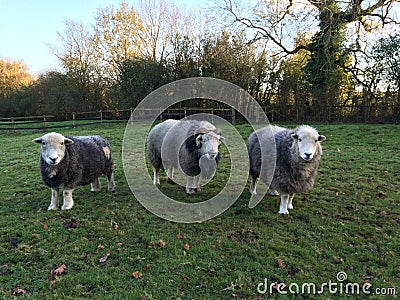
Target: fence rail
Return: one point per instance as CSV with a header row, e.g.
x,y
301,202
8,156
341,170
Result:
x,y
45,122
345,113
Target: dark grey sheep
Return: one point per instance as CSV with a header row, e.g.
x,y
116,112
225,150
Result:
x,y
298,153
189,145
72,162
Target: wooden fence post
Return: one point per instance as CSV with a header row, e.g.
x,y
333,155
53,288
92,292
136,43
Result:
x,y
73,119
13,125
44,122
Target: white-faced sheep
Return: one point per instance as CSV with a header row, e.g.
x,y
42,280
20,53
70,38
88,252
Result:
x,y
72,162
298,153
189,145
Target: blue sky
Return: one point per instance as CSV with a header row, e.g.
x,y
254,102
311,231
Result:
x,y
27,25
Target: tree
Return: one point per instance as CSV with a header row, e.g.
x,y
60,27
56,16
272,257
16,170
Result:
x,y
140,77
387,56
279,22
119,35
77,56
13,76
229,57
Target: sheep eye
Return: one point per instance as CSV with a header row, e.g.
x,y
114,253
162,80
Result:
x,y
44,143
299,140
316,141
62,143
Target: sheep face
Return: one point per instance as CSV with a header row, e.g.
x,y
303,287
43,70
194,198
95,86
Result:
x,y
307,140
209,144
53,147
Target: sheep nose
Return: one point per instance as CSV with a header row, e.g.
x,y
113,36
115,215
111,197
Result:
x,y
308,155
212,156
53,159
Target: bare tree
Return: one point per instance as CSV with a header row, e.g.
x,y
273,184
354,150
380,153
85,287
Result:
x,y
119,35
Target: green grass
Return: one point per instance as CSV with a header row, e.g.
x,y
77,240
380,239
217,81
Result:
x,y
349,222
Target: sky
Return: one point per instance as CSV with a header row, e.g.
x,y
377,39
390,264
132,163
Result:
x,y
26,26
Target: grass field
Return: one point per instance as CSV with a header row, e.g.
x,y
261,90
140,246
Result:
x,y
109,247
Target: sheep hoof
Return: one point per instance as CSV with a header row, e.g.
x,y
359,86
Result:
x,y
284,212
190,191
290,207
253,192
66,207
273,193
52,207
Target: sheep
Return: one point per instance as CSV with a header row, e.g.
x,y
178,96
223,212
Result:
x,y
74,161
298,153
189,145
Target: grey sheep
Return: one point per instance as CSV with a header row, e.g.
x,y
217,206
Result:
x,y
69,162
191,146
298,153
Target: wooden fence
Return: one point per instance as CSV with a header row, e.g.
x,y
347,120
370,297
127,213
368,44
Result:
x,y
350,114
47,122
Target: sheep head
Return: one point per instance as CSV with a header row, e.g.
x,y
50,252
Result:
x,y
307,141
208,141
53,147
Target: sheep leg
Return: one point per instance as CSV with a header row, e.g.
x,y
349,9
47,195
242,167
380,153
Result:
x,y
290,204
197,183
170,173
111,183
96,186
253,186
283,209
156,178
68,201
190,186
54,199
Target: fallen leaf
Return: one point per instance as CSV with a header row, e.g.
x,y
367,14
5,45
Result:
x,y
146,267
186,247
281,264
179,236
137,274
19,291
185,277
115,226
161,243
60,270
222,256
105,257
143,298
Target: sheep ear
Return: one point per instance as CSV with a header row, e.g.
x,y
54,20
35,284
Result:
x,y
321,138
295,136
218,131
37,140
199,139
67,141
